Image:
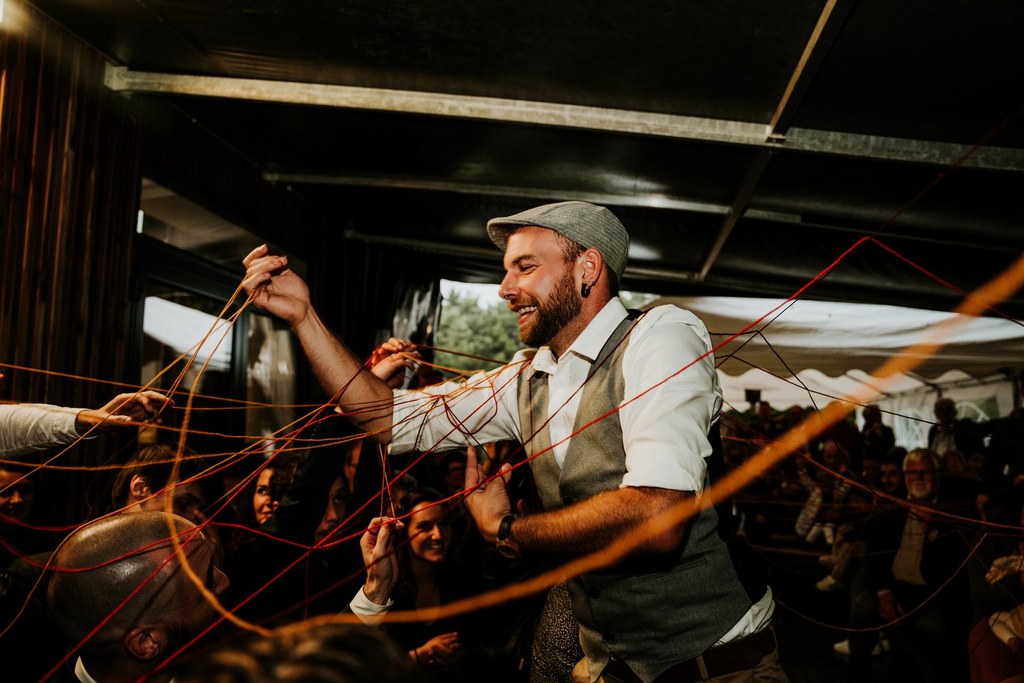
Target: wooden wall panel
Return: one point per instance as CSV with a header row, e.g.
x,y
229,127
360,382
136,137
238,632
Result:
x,y
69,160
69,184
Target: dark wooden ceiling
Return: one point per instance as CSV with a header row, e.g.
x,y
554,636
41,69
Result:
x,y
747,145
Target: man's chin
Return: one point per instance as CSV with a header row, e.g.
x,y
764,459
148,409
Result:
x,y
921,494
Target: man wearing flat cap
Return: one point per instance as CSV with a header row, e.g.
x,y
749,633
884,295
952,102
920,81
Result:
x,y
617,411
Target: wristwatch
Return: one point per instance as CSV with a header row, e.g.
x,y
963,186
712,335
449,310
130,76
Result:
x,y
505,545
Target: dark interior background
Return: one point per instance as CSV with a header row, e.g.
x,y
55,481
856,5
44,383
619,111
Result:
x,y
746,145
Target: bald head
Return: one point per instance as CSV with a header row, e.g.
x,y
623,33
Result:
x,y
129,560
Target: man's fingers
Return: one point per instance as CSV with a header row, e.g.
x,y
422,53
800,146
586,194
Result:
x,y
155,396
261,270
506,473
254,254
384,539
472,470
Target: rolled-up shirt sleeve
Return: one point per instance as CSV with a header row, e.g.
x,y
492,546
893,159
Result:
x,y
31,427
369,612
671,398
480,410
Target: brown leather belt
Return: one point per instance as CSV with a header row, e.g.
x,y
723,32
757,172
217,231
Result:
x,y
737,655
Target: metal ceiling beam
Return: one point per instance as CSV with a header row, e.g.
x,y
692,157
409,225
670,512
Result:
x,y
736,211
491,254
655,201
825,31
749,134
818,43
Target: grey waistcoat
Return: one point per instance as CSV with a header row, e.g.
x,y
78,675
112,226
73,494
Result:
x,y
651,611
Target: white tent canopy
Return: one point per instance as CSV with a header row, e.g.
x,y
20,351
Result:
x,y
835,338
807,352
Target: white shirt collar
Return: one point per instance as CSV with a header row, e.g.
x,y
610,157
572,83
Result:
x,y
590,341
84,676
81,673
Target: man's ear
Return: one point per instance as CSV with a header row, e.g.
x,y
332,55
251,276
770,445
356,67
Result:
x,y
138,489
593,266
146,643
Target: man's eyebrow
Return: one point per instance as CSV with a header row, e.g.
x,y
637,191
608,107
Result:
x,y
190,499
518,260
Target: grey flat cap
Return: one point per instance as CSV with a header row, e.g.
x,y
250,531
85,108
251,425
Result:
x,y
586,224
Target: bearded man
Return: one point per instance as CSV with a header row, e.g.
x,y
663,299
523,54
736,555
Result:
x,y
914,568
617,411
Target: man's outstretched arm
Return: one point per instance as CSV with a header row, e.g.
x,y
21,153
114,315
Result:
x,y
279,290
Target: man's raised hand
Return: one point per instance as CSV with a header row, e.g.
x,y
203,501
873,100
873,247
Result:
x,y
275,287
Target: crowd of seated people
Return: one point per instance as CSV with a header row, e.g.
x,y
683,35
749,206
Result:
x,y
926,546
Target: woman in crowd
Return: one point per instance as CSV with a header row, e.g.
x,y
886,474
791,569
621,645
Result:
x,y
428,578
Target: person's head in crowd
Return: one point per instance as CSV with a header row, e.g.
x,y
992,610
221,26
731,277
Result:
x,y
793,416
977,466
890,472
945,411
401,488
453,471
129,602
145,482
270,487
428,530
871,469
953,463
323,653
872,415
17,492
833,457
921,474
352,455
263,502
335,511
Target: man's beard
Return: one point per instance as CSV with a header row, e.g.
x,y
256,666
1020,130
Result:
x,y
921,491
554,314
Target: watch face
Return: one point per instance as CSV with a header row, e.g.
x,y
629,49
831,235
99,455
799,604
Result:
x,y
508,550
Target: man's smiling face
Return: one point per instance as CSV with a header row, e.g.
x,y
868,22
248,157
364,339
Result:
x,y
540,285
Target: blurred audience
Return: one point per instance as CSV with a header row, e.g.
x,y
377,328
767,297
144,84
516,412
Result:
x,y
321,653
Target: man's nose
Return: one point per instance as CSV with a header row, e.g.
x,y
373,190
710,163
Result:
x,y
508,288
